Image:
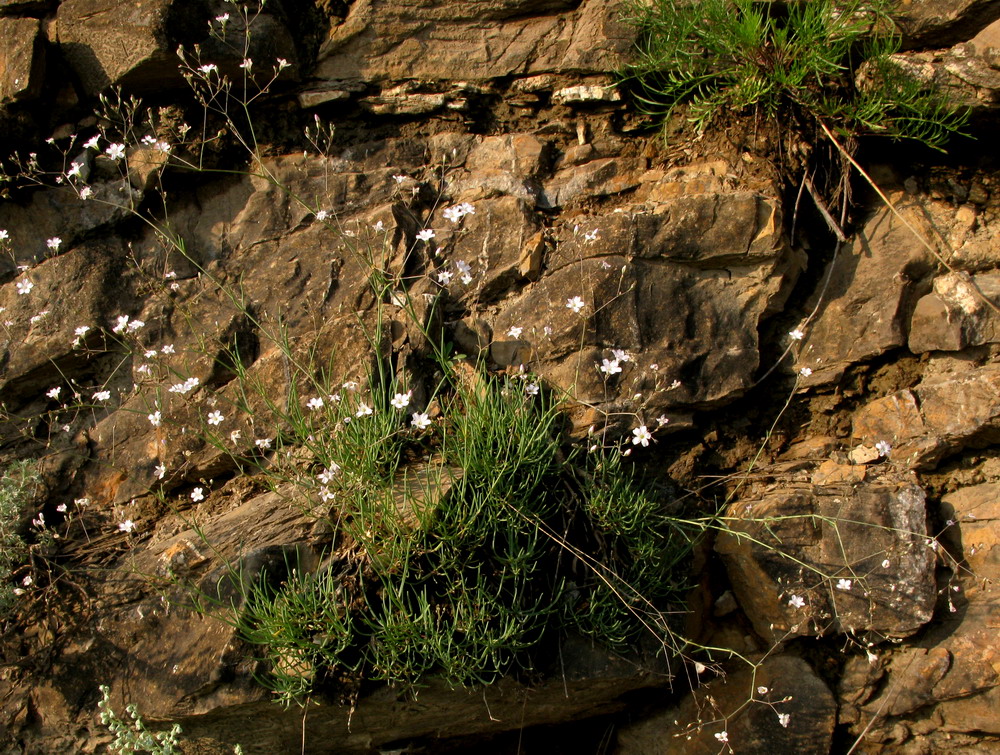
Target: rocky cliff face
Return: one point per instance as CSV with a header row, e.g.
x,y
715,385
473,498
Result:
x,y
856,570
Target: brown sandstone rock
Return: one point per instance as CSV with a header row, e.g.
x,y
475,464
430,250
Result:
x,y
748,717
497,38
941,415
22,59
808,560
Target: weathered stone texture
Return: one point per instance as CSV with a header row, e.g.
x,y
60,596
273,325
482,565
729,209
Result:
x,y
22,59
789,553
433,40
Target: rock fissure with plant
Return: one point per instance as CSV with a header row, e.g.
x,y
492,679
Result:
x,y
394,364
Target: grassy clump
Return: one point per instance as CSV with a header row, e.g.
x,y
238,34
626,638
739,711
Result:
x,y
470,552
17,484
795,62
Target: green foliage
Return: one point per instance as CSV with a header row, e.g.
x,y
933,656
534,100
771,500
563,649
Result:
x,y
471,556
822,59
133,736
17,484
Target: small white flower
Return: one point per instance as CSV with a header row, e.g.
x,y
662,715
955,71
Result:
x,y
81,331
160,471
641,436
136,325
282,64
444,277
531,389
784,718
115,151
420,421
149,353
4,236
327,475
62,508
91,143
590,235
883,448
885,563
54,393
215,418
86,192
722,736
198,494
155,419
127,526
805,372
263,443
425,235
102,395
796,335
222,19
844,584
208,69
662,420
167,349
401,400
121,324
576,304
247,64
322,215
796,601
398,178
363,410
620,355
143,369
74,169
610,366
24,286
762,691
515,331
53,243
234,436
314,403
162,146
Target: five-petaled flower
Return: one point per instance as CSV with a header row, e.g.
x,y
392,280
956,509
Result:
x,y
610,366
314,403
24,286
784,718
575,303
127,526
425,235
115,151
844,584
155,418
796,601
198,494
401,400
53,243
54,393
363,410
641,436
420,421
102,395
805,372
796,335
515,331
883,448
215,418
263,443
